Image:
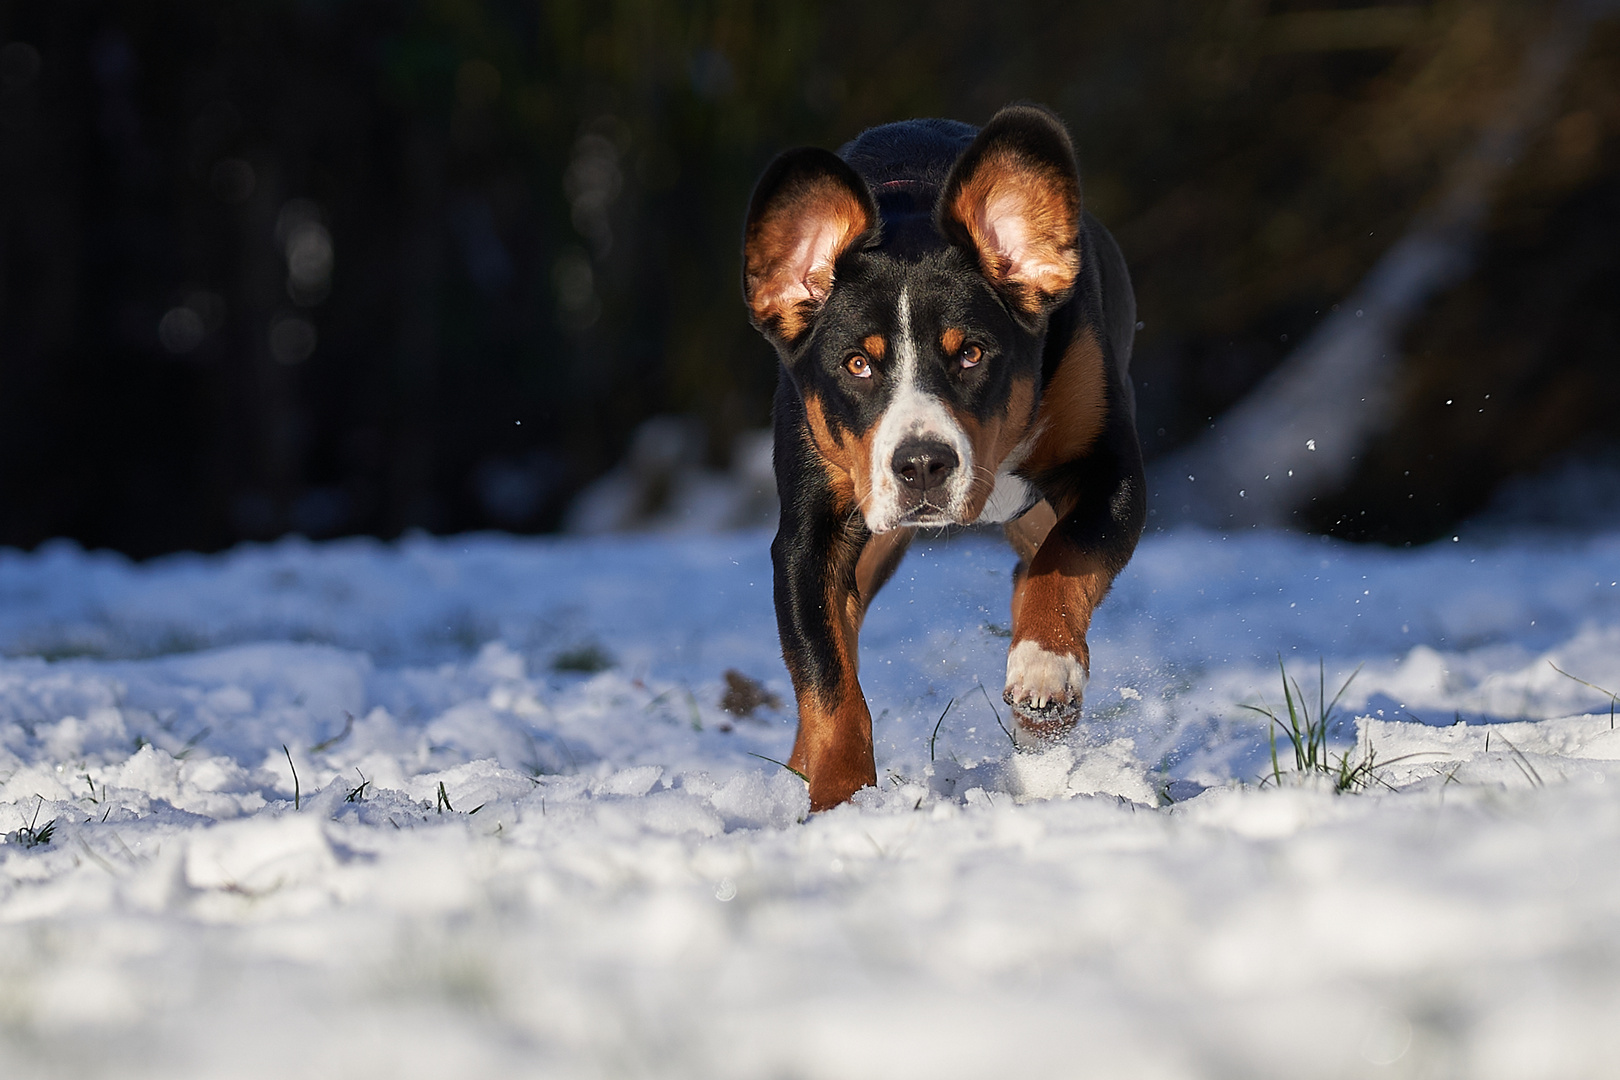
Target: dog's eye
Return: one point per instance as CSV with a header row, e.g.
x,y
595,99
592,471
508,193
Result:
x,y
858,366
970,355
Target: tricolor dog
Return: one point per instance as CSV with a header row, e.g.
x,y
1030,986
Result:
x,y
954,335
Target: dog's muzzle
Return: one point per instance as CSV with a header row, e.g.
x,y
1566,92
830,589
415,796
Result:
x,y
924,469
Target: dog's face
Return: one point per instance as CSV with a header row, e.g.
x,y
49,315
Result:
x,y
913,323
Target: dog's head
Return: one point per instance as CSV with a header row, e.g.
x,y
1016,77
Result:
x,y
912,320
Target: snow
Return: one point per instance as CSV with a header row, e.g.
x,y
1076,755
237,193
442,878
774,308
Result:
x,y
524,839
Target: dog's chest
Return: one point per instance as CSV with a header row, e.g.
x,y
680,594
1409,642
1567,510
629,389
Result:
x,y
1012,494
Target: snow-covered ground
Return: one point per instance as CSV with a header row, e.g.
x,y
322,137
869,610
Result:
x,y
525,840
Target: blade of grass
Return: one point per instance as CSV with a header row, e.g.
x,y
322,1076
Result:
x,y
297,794
1524,764
1614,699
781,764
935,735
1334,703
327,744
1271,734
997,714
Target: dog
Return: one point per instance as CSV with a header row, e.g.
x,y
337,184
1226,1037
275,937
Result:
x,y
954,334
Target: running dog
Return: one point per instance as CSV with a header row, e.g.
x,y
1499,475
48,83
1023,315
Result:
x,y
954,335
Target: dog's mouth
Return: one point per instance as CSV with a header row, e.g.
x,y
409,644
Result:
x,y
925,514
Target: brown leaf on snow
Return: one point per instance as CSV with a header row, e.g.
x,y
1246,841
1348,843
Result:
x,y
743,695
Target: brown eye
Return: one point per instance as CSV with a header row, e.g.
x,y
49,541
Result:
x,y
858,366
971,355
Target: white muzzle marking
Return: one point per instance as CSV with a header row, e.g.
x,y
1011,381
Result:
x,y
913,413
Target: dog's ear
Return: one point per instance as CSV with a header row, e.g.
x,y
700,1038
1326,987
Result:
x,y
808,209
1013,199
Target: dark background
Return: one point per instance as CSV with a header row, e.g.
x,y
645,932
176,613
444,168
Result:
x,y
354,266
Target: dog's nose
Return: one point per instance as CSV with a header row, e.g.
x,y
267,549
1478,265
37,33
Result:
x,y
924,465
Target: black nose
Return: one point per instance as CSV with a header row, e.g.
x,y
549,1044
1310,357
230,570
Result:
x,y
924,465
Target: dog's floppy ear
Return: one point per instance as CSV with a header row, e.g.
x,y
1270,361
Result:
x,y
808,209
1013,198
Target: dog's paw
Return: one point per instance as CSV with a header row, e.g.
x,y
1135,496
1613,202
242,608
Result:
x,y
1045,690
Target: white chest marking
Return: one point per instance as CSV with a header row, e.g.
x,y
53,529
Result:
x,y
1011,496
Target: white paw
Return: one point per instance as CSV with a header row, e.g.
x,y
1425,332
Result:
x,y
1041,679
1045,690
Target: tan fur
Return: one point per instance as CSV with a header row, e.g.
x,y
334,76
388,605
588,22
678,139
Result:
x,y
833,452
951,341
993,440
789,253
1055,590
848,457
1054,598
833,746
1026,534
1024,219
875,346
877,562
1074,407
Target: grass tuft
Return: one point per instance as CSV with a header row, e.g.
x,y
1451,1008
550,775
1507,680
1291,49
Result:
x,y
1523,763
34,834
191,743
1307,735
358,794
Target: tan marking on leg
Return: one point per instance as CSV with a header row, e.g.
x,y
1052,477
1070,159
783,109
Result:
x,y
1027,533
1056,601
1055,592
833,747
1074,406
877,564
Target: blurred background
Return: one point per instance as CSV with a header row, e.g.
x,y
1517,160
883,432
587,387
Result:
x,y
354,266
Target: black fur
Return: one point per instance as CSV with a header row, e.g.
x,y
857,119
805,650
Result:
x,y
905,171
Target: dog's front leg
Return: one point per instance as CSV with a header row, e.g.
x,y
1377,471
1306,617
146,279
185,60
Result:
x,y
1068,558
819,608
